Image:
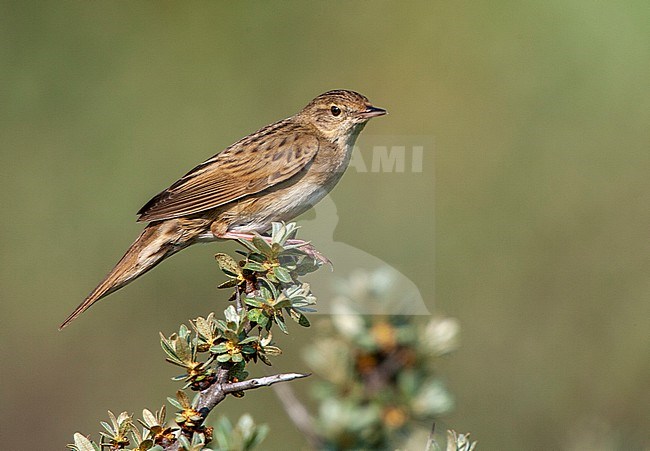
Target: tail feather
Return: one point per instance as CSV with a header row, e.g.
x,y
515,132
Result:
x,y
156,242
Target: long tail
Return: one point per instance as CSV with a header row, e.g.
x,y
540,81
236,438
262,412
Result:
x,y
156,242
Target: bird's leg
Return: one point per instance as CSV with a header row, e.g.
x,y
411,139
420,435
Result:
x,y
236,236
310,250
304,246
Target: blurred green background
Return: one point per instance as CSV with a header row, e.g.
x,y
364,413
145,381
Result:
x,y
536,234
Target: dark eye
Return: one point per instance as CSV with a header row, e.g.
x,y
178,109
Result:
x,y
335,110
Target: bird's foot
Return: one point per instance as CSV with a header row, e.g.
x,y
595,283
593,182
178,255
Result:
x,y
305,246
310,250
235,236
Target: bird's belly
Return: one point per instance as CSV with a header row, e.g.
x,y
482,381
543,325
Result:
x,y
257,214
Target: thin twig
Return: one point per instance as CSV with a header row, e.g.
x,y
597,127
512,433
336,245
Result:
x,y
298,414
431,442
217,392
238,303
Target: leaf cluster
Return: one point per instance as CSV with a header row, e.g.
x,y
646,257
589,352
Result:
x,y
267,290
379,372
213,350
122,431
158,435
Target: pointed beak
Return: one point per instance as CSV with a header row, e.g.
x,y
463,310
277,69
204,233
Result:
x,y
372,111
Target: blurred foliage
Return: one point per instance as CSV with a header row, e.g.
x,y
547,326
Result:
x,y
379,373
529,219
266,287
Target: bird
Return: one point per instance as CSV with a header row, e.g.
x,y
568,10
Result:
x,y
271,175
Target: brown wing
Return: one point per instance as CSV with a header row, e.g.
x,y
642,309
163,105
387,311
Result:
x,y
257,162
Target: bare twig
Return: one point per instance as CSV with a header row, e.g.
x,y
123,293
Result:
x,y
298,414
432,441
218,391
238,303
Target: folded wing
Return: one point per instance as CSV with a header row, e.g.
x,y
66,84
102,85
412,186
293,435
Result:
x,y
249,166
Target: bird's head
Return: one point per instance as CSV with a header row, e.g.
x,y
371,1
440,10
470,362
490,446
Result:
x,y
339,113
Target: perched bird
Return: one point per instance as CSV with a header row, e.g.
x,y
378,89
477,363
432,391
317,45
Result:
x,y
274,174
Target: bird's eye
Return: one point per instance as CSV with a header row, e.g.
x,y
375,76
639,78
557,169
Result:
x,y
335,110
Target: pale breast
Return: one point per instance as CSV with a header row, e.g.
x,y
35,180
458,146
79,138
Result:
x,y
293,197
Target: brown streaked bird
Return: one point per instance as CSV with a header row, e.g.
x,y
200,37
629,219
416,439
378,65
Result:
x,y
274,174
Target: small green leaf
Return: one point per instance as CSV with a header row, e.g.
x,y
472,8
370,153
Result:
x,y
248,245
149,418
228,284
167,347
272,350
231,314
280,322
276,249
282,274
174,403
255,314
258,316
249,340
282,304
303,321
256,257
270,287
253,302
83,443
248,350
228,265
146,445
183,399
107,426
221,325
266,340
261,244
219,348
222,358
277,228
262,320
204,326
264,359
254,266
